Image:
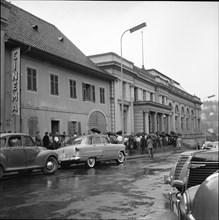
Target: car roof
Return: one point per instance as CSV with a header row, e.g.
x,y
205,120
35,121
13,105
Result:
x,y
12,134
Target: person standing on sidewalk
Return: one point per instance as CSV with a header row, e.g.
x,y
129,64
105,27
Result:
x,y
46,142
38,139
178,143
150,146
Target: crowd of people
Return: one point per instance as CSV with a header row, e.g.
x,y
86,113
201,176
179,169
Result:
x,y
139,141
51,141
143,141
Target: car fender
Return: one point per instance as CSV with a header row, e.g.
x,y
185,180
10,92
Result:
x,y
2,160
44,155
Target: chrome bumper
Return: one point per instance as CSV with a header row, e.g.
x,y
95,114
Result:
x,y
174,198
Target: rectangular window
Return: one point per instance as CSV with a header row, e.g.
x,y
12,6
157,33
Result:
x,y
31,79
88,92
73,93
144,95
102,95
54,84
163,100
135,94
151,97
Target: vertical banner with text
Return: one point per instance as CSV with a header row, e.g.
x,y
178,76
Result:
x,y
15,90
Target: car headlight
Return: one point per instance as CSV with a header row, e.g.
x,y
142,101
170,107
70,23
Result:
x,y
185,204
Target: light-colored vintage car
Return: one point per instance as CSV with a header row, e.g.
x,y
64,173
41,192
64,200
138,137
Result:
x,y
191,169
208,145
200,202
90,149
19,153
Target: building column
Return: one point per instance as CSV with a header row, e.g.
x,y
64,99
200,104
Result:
x,y
162,122
5,11
155,122
147,122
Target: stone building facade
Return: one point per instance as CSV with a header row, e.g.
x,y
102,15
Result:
x,y
152,101
48,84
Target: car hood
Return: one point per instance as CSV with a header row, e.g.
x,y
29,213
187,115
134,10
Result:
x,y
205,156
42,148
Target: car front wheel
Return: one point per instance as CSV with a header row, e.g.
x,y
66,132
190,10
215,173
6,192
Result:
x,y
91,162
51,166
121,158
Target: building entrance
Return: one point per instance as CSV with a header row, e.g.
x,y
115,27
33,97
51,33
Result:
x,y
97,120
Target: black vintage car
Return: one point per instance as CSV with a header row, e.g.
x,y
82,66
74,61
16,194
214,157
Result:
x,y
191,169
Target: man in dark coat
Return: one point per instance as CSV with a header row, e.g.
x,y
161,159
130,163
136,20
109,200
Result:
x,y
46,141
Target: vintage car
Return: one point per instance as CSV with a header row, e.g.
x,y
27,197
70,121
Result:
x,y
191,169
200,201
90,149
19,153
208,145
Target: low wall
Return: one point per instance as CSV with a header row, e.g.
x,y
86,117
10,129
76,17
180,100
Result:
x,y
192,140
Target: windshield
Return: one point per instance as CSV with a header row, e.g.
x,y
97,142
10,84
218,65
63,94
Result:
x,y
80,140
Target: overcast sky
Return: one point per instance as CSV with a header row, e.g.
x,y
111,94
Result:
x,y
180,40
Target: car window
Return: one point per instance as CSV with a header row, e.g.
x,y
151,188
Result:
x,y
76,141
2,142
88,140
96,140
105,140
28,142
14,141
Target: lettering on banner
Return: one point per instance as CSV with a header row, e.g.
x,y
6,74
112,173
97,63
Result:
x,y
15,87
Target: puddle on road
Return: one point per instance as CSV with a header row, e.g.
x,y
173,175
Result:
x,y
147,171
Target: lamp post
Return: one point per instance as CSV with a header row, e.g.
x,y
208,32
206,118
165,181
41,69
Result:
x,y
210,96
131,31
207,97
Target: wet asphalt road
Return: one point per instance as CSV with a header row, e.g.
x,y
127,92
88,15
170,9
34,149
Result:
x,y
133,190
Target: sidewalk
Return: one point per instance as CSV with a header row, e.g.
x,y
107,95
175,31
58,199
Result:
x,y
159,151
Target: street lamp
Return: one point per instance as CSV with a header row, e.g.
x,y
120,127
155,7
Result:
x,y
131,31
207,97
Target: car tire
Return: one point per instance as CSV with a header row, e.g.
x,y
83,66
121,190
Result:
x,y
121,158
91,162
51,166
1,171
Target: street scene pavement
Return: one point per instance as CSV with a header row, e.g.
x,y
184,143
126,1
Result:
x,y
132,190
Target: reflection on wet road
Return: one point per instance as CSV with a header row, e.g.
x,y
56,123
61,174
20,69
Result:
x,y
133,190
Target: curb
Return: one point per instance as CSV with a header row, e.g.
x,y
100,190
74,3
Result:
x,y
170,150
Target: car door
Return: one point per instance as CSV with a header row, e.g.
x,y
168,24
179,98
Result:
x,y
96,148
31,151
109,151
14,152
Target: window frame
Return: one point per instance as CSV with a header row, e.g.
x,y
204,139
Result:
x,y
56,85
72,88
33,84
102,95
88,92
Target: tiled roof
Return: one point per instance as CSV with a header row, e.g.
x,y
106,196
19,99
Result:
x,y
46,38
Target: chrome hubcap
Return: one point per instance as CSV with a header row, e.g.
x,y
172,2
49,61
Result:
x,y
50,165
